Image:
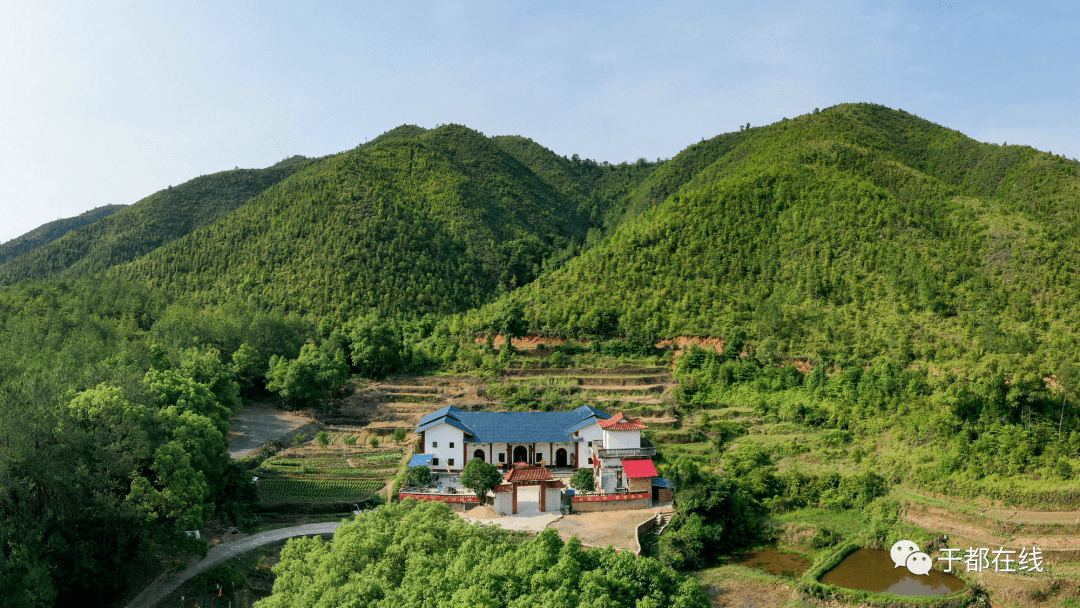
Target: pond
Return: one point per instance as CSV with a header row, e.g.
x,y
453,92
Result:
x,y
874,570
774,562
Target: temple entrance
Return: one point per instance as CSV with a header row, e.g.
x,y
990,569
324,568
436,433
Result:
x,y
521,454
478,454
560,457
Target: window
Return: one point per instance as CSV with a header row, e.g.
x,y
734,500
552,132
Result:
x,y
435,444
502,457
590,444
590,461
435,461
539,456
451,445
449,462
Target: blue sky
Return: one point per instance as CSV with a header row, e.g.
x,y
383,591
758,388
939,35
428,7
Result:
x,y
108,102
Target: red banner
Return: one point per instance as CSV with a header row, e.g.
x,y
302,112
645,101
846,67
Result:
x,y
439,497
610,497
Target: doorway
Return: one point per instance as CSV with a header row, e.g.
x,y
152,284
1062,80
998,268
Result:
x,y
521,454
478,454
560,457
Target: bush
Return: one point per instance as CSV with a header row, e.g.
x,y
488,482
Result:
x,y
583,480
480,477
399,435
350,440
322,438
374,441
299,440
419,476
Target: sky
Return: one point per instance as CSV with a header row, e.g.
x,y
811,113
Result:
x,y
109,102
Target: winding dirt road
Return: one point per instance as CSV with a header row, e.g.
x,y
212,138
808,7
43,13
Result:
x,y
167,583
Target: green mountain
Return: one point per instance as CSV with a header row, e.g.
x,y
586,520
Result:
x,y
416,221
856,231
146,225
47,233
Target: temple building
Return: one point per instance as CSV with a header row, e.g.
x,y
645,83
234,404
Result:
x,y
585,437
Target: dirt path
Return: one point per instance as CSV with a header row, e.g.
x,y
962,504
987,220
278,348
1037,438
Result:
x,y
261,423
167,583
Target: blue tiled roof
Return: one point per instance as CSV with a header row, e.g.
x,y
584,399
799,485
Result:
x,y
420,460
514,427
663,483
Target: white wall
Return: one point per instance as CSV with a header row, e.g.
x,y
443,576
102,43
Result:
x,y
614,440
593,432
504,503
444,435
553,499
496,449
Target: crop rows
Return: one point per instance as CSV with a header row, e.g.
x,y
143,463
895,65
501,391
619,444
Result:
x,y
317,490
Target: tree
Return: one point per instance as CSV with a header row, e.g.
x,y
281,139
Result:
x,y
480,477
583,480
374,441
419,476
322,438
399,435
311,377
376,347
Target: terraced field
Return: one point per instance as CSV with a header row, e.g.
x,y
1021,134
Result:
x,y
337,472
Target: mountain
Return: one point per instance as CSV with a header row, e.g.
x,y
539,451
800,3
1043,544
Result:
x,y
47,233
146,225
857,231
416,221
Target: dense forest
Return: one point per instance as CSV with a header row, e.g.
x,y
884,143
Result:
x,y
869,273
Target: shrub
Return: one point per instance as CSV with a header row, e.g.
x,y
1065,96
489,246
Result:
x,y
350,440
299,439
583,480
322,438
374,441
418,476
399,435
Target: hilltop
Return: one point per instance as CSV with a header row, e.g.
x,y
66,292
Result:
x,y
856,232
47,233
417,221
139,228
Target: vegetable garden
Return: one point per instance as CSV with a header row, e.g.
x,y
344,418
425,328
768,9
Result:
x,y
336,472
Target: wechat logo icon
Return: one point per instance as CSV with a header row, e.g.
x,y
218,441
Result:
x,y
906,553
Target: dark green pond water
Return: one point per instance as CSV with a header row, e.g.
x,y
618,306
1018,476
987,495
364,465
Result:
x,y
874,570
774,562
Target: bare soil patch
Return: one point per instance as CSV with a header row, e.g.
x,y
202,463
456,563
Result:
x,y
615,528
482,512
261,423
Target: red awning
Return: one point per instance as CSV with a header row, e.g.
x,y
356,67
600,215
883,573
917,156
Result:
x,y
636,469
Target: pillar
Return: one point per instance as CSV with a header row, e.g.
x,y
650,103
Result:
x,y
577,454
515,498
490,447
543,496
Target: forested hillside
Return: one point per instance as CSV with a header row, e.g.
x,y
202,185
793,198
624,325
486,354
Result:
x,y
924,284
146,225
414,222
47,233
856,232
